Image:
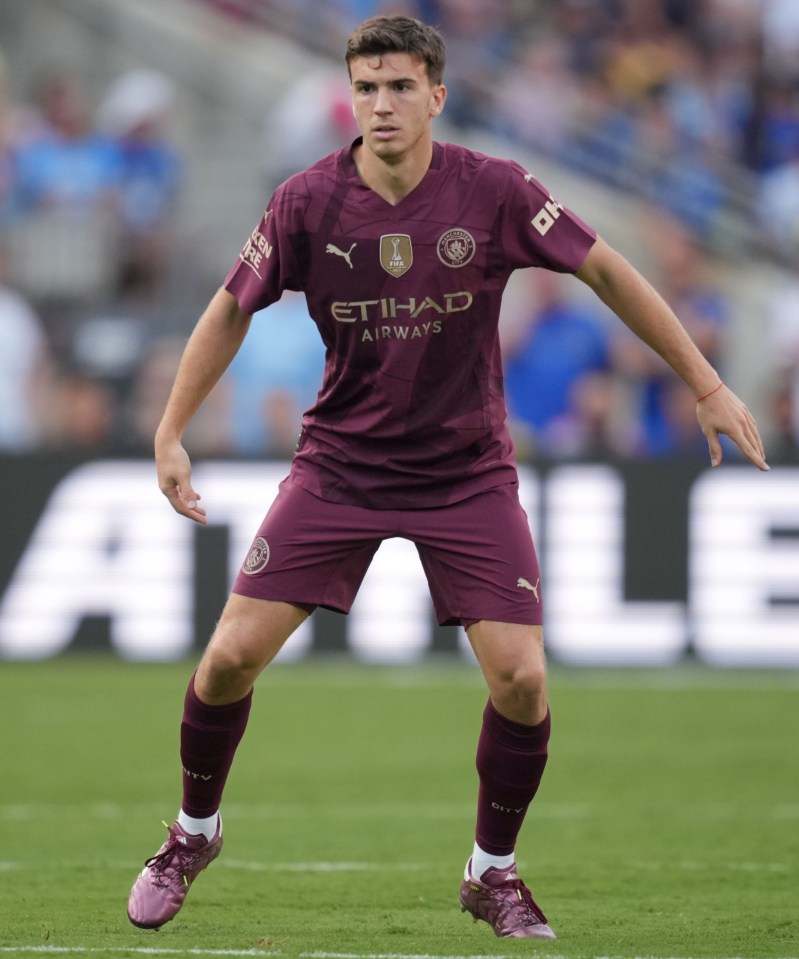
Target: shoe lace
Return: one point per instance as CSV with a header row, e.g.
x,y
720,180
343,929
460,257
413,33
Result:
x,y
518,897
172,860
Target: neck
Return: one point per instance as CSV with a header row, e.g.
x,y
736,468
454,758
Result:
x,y
393,181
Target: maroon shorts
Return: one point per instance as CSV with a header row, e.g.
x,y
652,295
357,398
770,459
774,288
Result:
x,y
478,554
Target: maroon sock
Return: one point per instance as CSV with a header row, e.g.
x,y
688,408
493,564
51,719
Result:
x,y
209,736
510,762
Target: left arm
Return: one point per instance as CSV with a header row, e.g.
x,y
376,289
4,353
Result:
x,y
622,288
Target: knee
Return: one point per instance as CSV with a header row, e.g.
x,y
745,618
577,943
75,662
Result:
x,y
227,671
514,665
519,693
230,659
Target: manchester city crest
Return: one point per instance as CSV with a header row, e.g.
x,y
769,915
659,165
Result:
x,y
257,558
456,248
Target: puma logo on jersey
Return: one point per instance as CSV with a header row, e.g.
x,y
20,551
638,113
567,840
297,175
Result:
x,y
523,583
332,248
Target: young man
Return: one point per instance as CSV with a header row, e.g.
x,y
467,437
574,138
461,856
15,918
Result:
x,y
402,247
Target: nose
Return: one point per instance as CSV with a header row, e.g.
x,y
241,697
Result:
x,y
383,101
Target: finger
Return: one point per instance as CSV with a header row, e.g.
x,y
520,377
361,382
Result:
x,y
753,434
186,504
755,456
714,447
189,498
748,442
191,506
197,513
758,441
751,445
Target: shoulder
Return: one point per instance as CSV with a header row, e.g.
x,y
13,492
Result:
x,y
483,165
496,182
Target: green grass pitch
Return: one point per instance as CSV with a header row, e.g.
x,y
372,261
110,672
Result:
x,y
667,824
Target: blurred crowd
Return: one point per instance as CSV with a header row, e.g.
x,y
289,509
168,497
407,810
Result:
x,y
692,105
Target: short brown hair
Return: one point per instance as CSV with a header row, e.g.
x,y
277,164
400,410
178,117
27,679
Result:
x,y
399,34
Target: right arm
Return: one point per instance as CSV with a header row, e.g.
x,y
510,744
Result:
x,y
622,288
212,345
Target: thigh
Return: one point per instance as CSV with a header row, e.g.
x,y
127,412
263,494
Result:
x,y
310,552
248,636
480,560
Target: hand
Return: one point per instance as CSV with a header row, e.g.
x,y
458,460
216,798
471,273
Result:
x,y
174,479
722,412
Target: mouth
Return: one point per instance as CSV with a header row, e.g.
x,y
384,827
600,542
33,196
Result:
x,y
384,132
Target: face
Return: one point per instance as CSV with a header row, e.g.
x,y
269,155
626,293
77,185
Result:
x,y
394,104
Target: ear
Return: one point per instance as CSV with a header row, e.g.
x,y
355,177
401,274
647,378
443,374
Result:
x,y
437,99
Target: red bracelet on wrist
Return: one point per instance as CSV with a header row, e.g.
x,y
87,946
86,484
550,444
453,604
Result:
x,y
714,390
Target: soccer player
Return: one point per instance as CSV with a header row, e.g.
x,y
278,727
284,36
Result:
x,y
402,246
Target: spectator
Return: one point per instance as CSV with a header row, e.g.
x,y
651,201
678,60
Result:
x,y
782,342
537,97
565,340
595,426
704,309
584,25
781,37
684,272
6,144
776,134
83,413
684,179
67,164
313,118
480,37
707,98
639,53
784,408
25,371
603,143
63,237
778,208
135,114
273,382
209,432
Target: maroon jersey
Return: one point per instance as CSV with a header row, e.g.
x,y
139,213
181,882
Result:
x,y
411,411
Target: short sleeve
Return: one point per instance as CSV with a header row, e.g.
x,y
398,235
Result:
x,y
537,229
267,264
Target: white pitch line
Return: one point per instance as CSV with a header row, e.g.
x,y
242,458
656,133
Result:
x,y
406,955
153,951
396,955
255,866
245,865
249,812
27,812
250,866
137,950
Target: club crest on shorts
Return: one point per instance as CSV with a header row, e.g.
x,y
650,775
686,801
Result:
x,y
257,558
456,248
396,253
